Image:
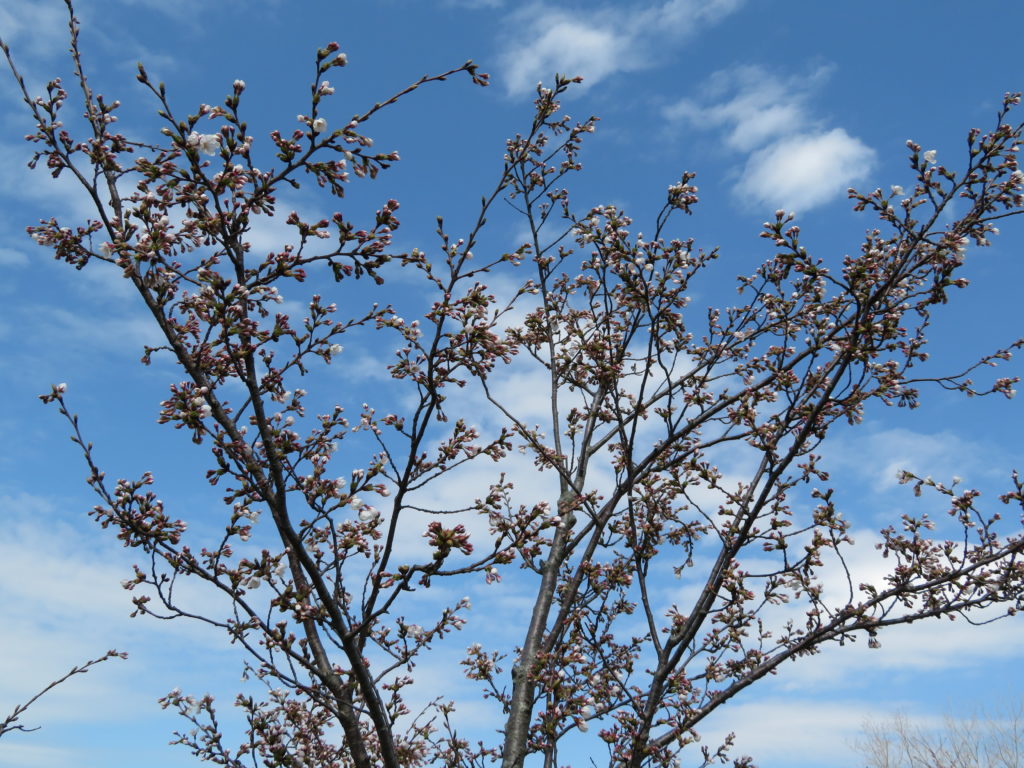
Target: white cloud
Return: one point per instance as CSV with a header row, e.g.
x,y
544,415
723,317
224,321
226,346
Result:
x,y
794,160
35,29
36,189
787,732
597,43
805,171
59,586
562,44
12,258
680,14
762,108
877,455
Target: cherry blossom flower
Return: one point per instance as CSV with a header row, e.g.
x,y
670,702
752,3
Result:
x,y
368,514
207,143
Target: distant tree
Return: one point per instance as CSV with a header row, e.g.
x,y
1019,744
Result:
x,y
644,398
985,740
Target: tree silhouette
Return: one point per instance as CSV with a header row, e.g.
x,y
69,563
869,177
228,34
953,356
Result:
x,y
645,398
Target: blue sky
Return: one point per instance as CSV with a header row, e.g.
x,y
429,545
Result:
x,y
774,103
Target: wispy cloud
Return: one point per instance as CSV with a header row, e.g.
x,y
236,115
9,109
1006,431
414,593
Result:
x,y
784,731
12,258
756,106
878,455
793,158
36,29
597,43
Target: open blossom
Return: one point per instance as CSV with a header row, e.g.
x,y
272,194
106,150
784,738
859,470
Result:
x,y
368,514
319,125
207,143
897,189
929,156
326,88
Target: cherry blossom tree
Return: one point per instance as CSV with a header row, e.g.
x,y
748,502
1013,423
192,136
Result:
x,y
646,397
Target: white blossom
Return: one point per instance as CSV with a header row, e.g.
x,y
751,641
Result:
x,y
207,143
368,514
896,189
319,125
929,156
